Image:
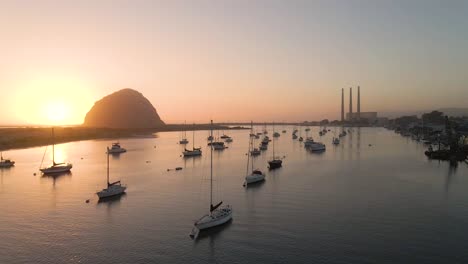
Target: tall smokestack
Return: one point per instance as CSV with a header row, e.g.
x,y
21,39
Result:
x,y
358,103
342,104
350,103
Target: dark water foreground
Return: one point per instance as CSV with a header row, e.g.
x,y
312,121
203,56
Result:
x,y
355,203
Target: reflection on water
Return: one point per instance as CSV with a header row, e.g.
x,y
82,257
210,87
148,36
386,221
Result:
x,y
353,203
55,177
111,200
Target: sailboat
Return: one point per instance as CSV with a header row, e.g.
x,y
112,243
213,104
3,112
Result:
x,y
6,163
218,214
275,162
256,175
56,167
184,140
194,151
114,188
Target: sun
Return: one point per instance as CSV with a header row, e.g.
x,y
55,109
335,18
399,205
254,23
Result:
x,y
56,112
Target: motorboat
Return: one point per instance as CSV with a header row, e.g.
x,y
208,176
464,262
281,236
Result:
x,y
116,149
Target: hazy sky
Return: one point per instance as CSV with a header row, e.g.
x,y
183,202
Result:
x,y
231,60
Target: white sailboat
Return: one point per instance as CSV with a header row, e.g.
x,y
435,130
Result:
x,y
114,188
256,175
6,163
218,214
194,151
56,167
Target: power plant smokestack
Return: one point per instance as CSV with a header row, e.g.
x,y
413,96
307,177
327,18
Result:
x,y
350,103
342,105
358,103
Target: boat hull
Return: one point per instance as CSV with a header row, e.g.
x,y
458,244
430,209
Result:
x,y
252,178
117,151
111,191
192,153
275,164
57,169
218,217
7,164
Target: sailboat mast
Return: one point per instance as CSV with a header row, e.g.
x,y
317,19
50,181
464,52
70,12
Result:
x,y
211,167
53,146
185,129
193,137
273,141
108,167
250,147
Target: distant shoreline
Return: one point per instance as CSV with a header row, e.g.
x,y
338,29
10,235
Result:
x,y
29,137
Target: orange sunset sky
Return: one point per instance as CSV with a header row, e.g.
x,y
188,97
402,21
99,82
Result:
x,y
230,60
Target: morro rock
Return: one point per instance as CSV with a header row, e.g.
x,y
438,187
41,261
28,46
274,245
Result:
x,y
126,108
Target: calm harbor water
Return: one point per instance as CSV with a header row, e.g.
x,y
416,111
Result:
x,y
354,203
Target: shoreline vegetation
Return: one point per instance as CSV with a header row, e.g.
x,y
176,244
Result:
x,y
29,137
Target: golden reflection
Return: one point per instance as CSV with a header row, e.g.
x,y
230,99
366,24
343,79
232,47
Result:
x,y
60,154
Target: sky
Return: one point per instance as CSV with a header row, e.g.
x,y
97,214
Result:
x,y
231,60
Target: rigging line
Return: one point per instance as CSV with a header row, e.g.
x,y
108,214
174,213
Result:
x,y
43,156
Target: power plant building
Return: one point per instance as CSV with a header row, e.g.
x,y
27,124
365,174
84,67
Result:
x,y
371,117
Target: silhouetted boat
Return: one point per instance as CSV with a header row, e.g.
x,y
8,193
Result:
x,y
194,151
5,163
55,167
116,149
336,141
218,145
184,140
316,147
218,214
255,152
114,188
275,162
309,141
